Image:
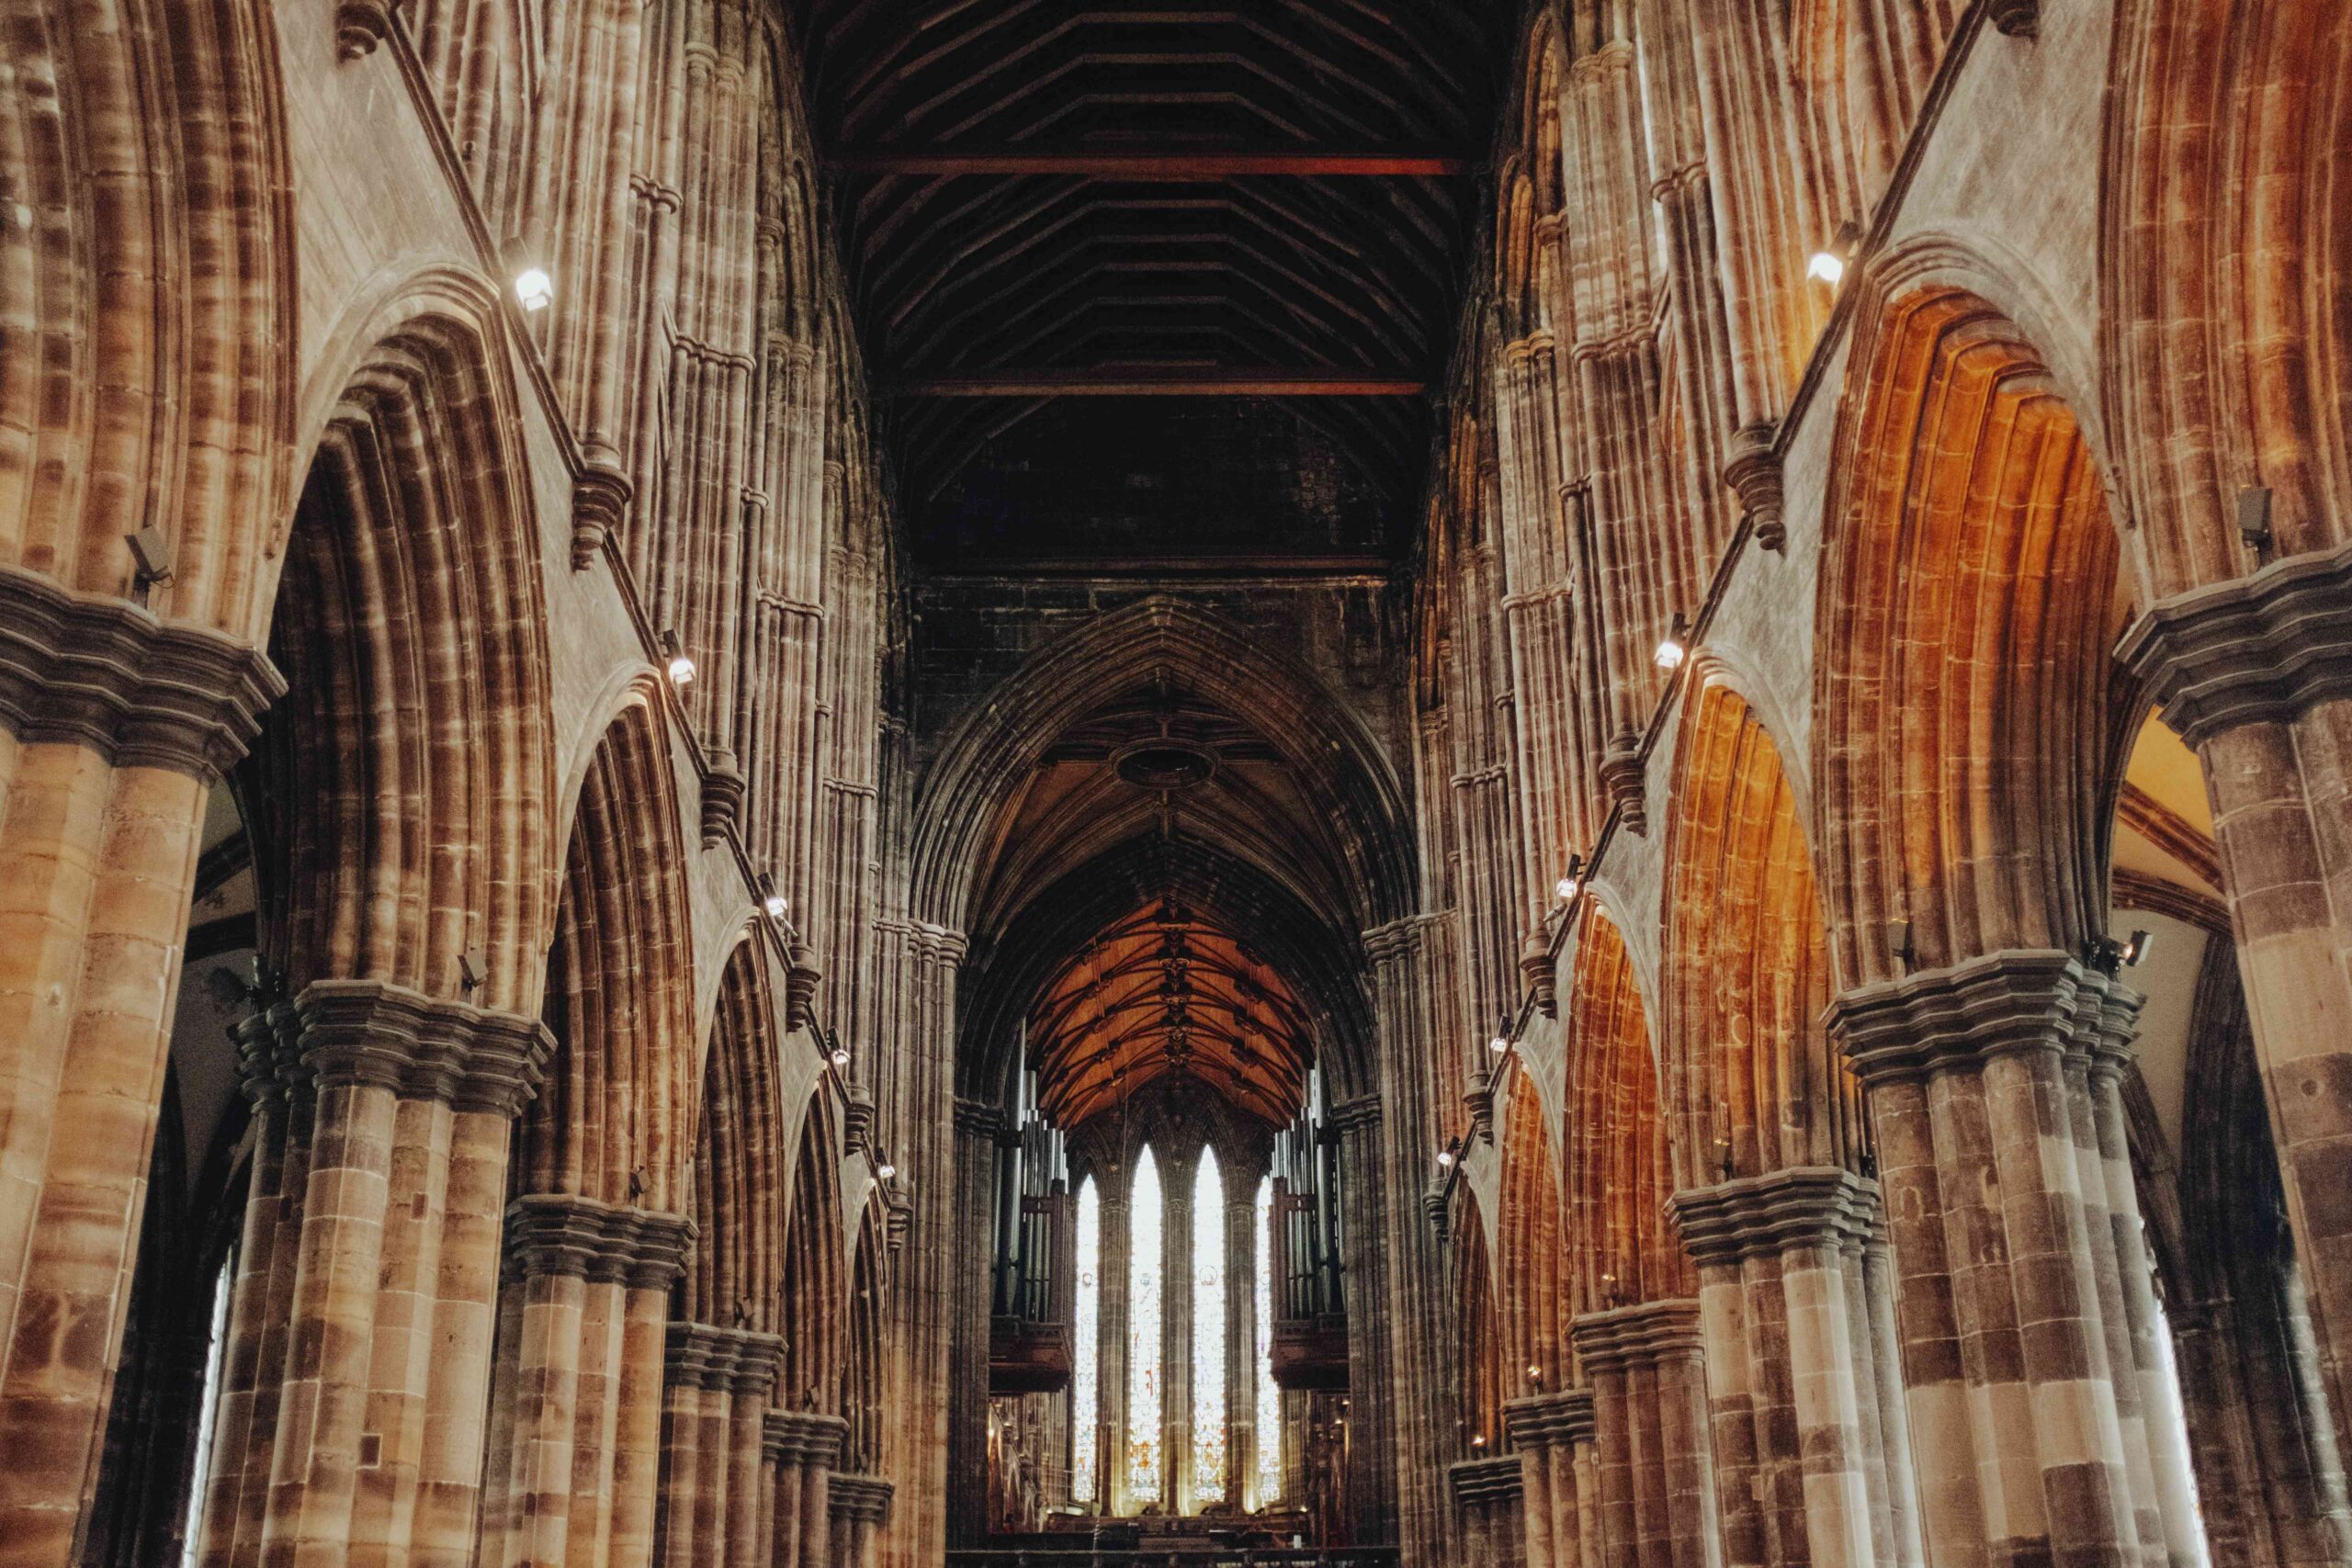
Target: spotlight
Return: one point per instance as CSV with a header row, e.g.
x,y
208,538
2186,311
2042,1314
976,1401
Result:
x,y
1566,887
1499,1044
1676,647
777,906
682,666
1535,1374
2137,948
887,1172
1479,1441
841,1055
1445,1158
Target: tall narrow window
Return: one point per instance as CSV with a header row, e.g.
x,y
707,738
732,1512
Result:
x,y
1147,1467
1086,1331
1208,1333
1268,1479
208,1412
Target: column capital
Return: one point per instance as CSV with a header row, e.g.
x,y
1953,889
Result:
x,y
1645,1334
1761,1215
739,1359
2258,649
1475,1480
421,1047
116,677
1360,1114
2025,1000
977,1119
269,1052
863,1498
803,1437
1549,1420
550,1232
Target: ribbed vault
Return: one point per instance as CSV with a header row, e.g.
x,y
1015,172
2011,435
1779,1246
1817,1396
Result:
x,y
1167,993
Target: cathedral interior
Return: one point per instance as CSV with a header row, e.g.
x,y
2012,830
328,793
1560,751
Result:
x,y
1331,784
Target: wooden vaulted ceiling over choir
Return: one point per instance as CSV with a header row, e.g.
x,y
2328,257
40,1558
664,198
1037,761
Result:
x,y
1168,993
1058,213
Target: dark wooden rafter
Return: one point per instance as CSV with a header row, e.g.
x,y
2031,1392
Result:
x,y
1142,198
1199,166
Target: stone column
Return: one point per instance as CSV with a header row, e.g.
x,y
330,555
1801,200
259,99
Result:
x,y
1176,1339
1241,1341
1789,1363
113,727
1372,1479
576,1412
362,1355
718,1383
1982,1103
2255,674
977,1129
1111,1384
860,1507
802,1450
1545,1430
1487,1500
1653,1497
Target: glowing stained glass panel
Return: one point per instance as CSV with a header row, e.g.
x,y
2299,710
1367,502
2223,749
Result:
x,y
1146,1466
1268,1479
1208,1333
1086,1330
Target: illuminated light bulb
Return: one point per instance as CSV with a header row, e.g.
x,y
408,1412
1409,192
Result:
x,y
1499,1044
841,1056
1827,267
1535,1374
1566,887
682,669
887,1172
1676,647
1479,1441
534,290
777,906
1445,1158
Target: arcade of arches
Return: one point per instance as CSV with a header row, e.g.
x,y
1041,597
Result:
x,y
868,784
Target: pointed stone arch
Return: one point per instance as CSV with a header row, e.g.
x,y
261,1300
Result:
x,y
737,1276
1531,1249
1964,705
611,1122
818,1312
1754,1082
401,796
1478,1330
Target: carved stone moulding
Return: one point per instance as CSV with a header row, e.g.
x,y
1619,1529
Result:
x,y
1546,1420
2022,999
558,1233
424,1047
1762,1215
1637,1336
2259,648
114,676
803,1437
720,1359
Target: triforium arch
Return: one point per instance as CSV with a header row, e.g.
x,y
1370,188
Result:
x,y
1969,733
596,1234
723,1353
1774,1197
399,807
2224,342
1633,1293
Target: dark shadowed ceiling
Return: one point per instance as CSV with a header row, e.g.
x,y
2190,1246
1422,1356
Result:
x,y
1141,281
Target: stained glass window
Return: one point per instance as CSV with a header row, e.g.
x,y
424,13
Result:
x,y
1085,1396
1269,1478
1145,1462
1208,1333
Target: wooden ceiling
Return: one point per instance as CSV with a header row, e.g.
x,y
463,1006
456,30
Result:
x,y
1136,200
1167,993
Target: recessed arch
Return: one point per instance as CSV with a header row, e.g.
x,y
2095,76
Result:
x,y
819,1315
1617,1174
613,1119
1754,1082
402,794
1531,1249
735,1278
1963,698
